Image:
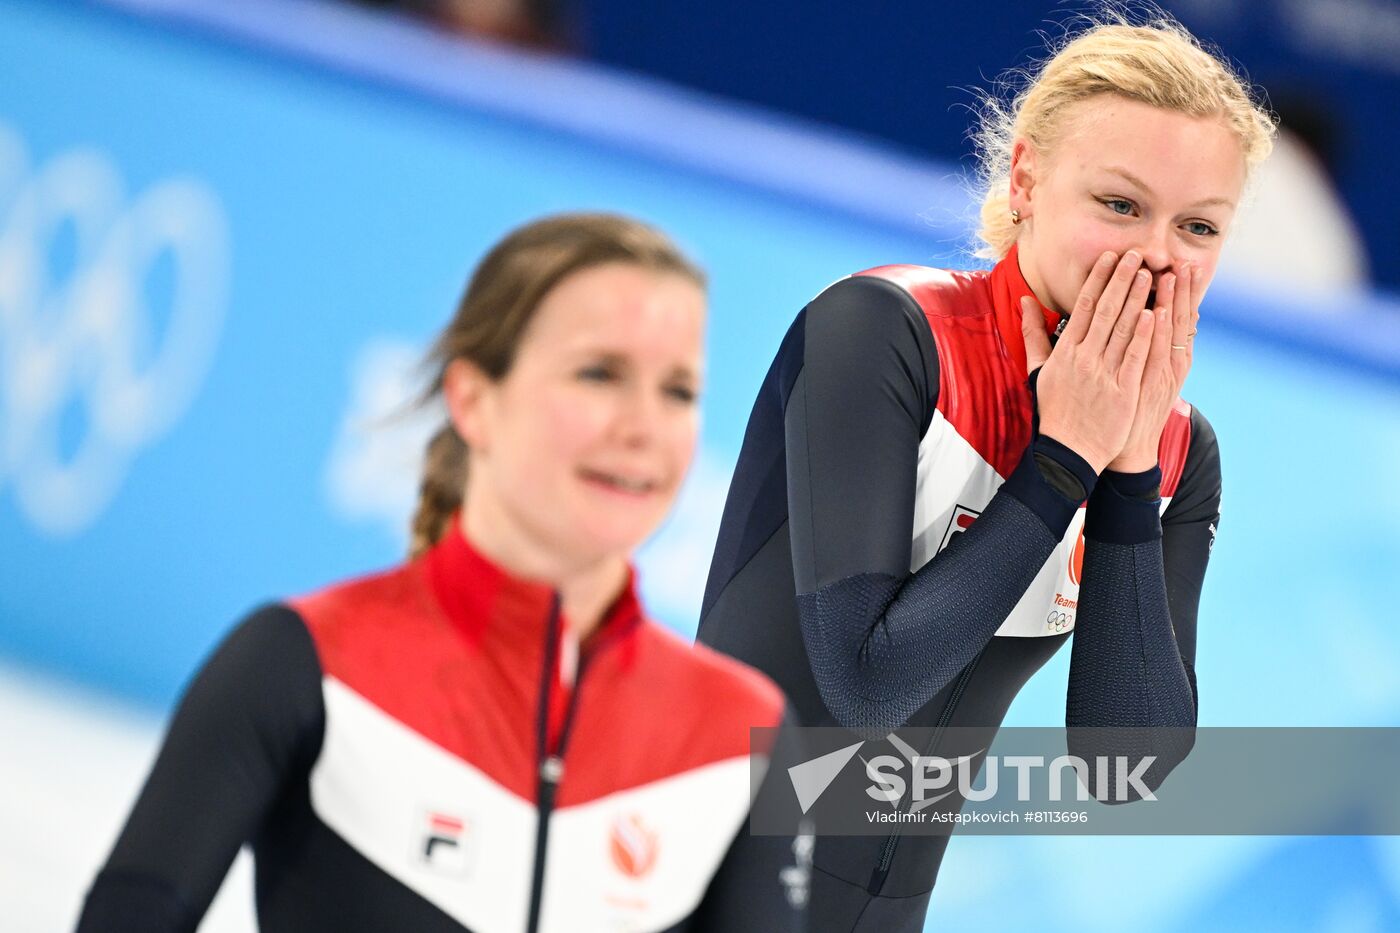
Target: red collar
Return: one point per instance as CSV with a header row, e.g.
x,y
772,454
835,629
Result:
x,y
494,607
1008,288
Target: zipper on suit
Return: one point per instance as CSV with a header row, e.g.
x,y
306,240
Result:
x,y
882,867
549,763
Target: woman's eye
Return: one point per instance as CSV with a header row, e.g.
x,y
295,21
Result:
x,y
1200,228
596,374
1119,206
681,393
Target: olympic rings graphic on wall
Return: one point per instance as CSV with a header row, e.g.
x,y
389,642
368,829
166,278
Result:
x,y
88,337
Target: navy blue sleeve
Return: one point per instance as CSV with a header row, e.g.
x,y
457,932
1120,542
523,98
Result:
x,y
1189,526
1132,665
882,640
250,718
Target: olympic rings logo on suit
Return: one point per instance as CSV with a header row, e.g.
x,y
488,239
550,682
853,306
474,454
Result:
x,y
87,342
1057,620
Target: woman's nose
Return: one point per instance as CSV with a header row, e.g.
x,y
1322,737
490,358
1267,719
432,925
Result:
x,y
1156,252
638,417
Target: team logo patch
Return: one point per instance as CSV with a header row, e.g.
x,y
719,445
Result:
x,y
961,520
445,843
1076,559
633,846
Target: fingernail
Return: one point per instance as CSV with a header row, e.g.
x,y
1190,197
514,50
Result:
x,y
1143,276
1133,256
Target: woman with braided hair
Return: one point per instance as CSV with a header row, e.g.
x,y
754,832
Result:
x,y
492,736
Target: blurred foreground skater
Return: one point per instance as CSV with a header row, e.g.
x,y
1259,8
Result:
x,y
491,737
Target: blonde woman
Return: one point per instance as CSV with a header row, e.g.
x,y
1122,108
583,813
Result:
x,y
492,736
914,529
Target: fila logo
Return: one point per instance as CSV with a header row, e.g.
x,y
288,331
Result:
x,y
633,846
961,520
444,843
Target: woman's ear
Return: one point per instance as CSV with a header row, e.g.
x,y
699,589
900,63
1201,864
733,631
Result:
x,y
1023,177
465,391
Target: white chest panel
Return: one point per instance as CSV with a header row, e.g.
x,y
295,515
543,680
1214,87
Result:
x,y
953,486
636,860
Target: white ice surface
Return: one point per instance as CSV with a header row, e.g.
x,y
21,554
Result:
x,y
71,764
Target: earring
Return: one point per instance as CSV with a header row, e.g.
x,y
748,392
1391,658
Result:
x,y
1015,217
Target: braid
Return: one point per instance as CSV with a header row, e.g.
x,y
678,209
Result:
x,y
440,494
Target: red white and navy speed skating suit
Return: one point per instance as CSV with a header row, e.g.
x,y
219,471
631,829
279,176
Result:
x,y
423,750
900,547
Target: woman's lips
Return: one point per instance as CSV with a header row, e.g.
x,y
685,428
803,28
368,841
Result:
x,y
619,483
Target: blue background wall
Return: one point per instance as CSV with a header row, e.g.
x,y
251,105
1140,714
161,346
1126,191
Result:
x,y
294,206
902,71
